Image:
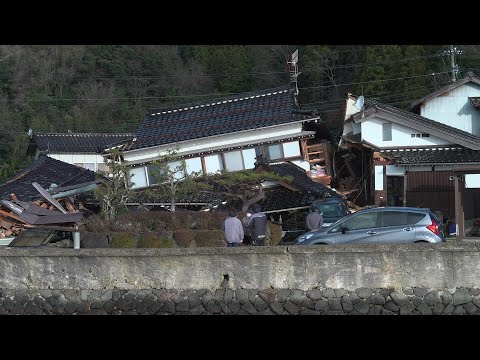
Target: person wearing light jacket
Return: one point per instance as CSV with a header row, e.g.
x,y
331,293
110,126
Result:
x,y
233,228
314,220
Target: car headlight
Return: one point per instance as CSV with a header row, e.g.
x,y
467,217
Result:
x,y
326,224
302,238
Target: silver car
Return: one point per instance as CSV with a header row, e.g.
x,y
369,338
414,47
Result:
x,y
393,225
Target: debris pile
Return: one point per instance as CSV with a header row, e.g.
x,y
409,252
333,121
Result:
x,y
47,213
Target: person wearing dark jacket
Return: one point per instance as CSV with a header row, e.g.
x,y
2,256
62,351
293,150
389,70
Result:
x,y
314,220
257,223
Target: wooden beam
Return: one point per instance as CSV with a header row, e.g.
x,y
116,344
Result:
x,y
289,186
350,169
327,147
49,197
303,145
11,215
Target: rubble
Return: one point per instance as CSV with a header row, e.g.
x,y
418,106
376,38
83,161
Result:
x,y
48,214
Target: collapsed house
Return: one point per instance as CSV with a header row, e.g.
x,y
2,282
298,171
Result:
x,y
231,134
40,201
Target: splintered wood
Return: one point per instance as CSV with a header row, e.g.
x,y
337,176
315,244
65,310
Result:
x,y
16,215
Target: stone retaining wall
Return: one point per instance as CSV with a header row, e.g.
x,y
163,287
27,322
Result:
x,y
378,279
363,301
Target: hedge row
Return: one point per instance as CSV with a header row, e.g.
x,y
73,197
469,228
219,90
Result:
x,y
178,220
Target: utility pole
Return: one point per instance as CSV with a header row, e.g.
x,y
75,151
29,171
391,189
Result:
x,y
452,59
452,51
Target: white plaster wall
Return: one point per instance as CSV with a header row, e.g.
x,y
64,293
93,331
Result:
x,y
79,158
372,132
378,177
454,109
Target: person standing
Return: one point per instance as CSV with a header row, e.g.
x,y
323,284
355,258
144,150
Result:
x,y
314,219
257,223
233,229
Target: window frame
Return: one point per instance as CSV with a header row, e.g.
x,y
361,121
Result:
x,y
387,130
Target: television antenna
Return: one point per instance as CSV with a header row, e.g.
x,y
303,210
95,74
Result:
x,y
293,69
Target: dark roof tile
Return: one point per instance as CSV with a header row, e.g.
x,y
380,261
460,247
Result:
x,y
74,143
44,171
217,116
455,155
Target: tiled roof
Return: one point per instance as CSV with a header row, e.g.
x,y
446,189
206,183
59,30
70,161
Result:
x,y
217,117
74,143
455,155
44,171
421,123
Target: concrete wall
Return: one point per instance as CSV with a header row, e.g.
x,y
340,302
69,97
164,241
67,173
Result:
x,y
85,280
281,267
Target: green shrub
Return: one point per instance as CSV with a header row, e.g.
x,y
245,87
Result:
x,y
209,238
151,240
184,238
178,220
124,240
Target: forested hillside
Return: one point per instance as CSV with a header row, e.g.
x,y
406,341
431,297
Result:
x,y
109,88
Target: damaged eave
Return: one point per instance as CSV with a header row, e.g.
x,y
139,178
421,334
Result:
x,y
361,115
74,189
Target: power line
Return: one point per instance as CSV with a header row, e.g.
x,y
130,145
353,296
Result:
x,y
211,94
372,81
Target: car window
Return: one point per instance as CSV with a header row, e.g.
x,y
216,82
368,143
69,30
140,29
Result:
x,y
362,221
336,228
394,218
414,218
332,210
399,218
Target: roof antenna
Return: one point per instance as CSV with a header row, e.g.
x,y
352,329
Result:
x,y
293,69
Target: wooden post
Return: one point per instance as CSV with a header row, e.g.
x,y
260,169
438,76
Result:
x,y
459,215
303,144
405,189
327,156
385,185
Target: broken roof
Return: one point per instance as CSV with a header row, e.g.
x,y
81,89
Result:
x,y
277,198
221,116
45,171
74,143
